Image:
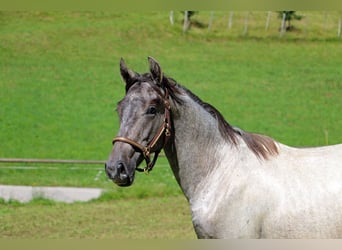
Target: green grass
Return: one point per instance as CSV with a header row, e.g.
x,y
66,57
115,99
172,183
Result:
x,y
159,183
60,82
152,218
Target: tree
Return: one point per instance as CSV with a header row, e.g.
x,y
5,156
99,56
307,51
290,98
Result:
x,y
287,17
187,22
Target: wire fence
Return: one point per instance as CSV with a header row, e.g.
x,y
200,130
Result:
x,y
302,24
28,163
32,164
26,160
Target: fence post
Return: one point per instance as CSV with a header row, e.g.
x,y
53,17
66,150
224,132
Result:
x,y
211,20
186,22
230,20
245,31
283,25
171,17
325,18
268,20
306,24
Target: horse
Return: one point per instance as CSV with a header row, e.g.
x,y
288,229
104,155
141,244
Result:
x,y
238,184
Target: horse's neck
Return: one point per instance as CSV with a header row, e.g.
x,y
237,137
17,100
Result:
x,y
196,149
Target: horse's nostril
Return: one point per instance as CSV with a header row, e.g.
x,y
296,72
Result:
x,y
120,167
118,173
121,170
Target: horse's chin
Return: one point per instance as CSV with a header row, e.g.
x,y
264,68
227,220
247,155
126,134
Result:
x,y
123,183
126,184
123,180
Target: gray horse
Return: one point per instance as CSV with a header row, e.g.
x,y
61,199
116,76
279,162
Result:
x,y
238,184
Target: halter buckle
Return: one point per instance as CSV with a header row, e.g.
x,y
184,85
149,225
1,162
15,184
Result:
x,y
167,104
167,130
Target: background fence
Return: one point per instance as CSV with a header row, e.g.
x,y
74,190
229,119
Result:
x,y
25,160
309,24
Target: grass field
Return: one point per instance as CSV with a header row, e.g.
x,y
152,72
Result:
x,y
59,84
153,218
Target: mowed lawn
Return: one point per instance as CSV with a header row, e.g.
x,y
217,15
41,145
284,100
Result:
x,y
150,218
60,82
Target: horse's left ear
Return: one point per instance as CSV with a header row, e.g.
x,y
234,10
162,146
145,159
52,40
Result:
x,y
127,74
155,69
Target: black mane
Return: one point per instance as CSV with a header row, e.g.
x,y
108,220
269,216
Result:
x,y
226,130
261,145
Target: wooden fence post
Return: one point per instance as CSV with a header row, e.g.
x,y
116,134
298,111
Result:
x,y
230,20
283,25
186,22
171,17
245,31
339,27
210,20
268,20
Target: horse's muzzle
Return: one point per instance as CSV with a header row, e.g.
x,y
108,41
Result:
x,y
117,172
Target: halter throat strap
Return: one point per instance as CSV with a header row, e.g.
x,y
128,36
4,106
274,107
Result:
x,y
165,130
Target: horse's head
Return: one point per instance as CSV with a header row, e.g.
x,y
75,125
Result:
x,y
144,123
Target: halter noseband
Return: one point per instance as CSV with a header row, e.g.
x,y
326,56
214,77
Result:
x,y
165,129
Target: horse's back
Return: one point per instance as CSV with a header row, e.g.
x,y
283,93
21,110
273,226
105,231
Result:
x,y
314,161
294,194
308,194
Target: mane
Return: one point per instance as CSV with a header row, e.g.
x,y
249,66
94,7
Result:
x,y
262,146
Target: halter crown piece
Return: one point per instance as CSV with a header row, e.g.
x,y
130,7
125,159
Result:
x,y
165,130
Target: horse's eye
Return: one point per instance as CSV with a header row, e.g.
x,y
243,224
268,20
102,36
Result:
x,y
152,110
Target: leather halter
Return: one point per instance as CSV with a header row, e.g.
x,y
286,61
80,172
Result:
x,y
165,130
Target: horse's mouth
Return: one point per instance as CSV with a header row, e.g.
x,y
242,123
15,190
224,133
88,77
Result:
x,y
123,180
120,173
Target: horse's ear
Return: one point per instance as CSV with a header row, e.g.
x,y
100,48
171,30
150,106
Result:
x,y
127,74
155,69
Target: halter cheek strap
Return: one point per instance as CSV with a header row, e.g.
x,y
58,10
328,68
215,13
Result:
x,y
165,130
